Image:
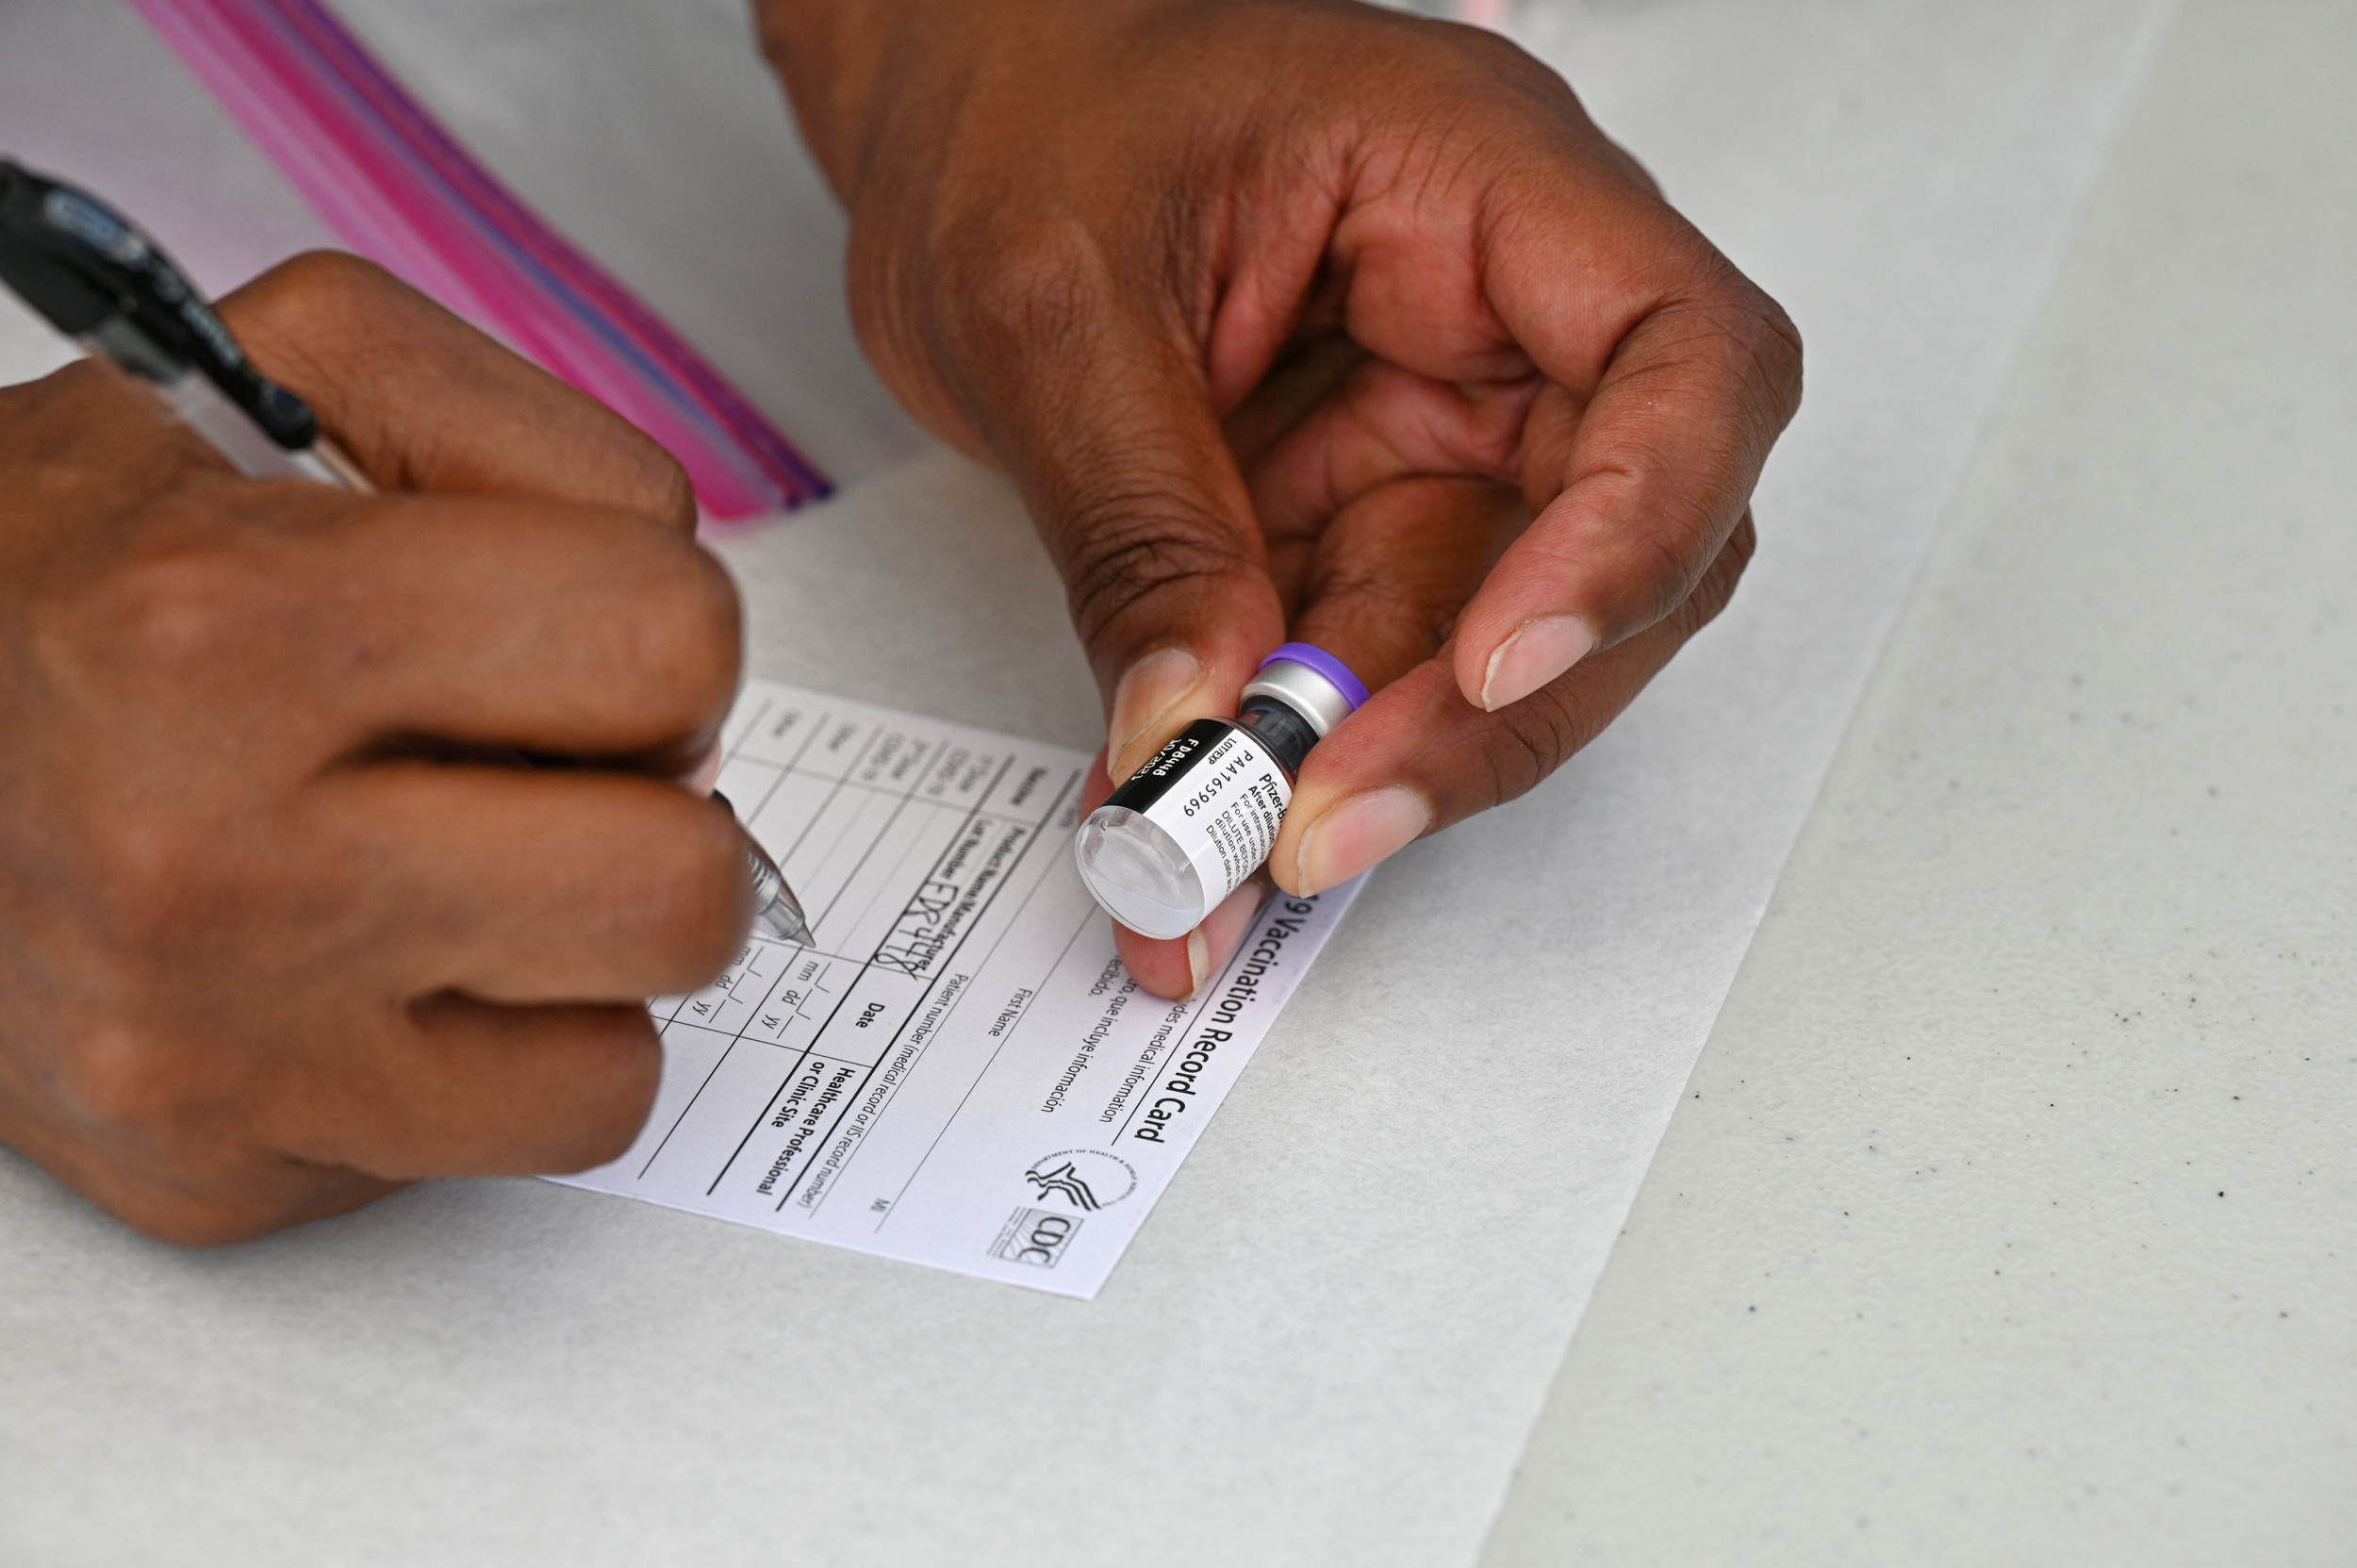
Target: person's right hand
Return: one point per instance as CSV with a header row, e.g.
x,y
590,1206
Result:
x,y
279,928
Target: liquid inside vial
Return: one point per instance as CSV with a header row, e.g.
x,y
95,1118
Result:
x,y
1139,873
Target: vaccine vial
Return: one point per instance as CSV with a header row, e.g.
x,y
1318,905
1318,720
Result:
x,y
1202,815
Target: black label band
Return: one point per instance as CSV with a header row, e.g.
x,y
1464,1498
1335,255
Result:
x,y
1152,782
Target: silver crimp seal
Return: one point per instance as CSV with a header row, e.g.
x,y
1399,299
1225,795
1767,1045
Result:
x,y
1304,690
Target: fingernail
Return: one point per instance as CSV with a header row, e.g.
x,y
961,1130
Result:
x,y
1212,943
707,772
1356,834
1541,651
1148,692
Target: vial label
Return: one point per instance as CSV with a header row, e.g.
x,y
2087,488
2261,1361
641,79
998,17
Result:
x,y
1220,796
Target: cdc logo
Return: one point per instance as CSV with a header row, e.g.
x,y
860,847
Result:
x,y
1035,1237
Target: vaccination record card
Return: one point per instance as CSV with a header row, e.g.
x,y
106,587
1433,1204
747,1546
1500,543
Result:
x,y
958,1071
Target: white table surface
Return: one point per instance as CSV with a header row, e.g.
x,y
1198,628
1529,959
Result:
x,y
511,1373
2012,1214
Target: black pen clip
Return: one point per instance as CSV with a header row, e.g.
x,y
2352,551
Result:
x,y
95,276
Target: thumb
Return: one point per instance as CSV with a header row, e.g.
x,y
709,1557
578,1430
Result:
x,y
1106,420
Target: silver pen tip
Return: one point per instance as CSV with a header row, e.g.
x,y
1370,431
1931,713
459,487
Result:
x,y
783,921
776,914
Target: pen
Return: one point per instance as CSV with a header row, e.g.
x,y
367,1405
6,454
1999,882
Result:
x,y
95,277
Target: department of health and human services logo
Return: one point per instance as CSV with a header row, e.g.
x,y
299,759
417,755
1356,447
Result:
x,y
1082,1180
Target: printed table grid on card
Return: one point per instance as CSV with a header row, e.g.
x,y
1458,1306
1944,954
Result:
x,y
958,1071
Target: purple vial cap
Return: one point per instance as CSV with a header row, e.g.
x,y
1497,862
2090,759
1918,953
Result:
x,y
1337,673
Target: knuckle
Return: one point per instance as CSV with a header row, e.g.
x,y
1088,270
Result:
x,y
1725,573
157,1144
696,898
1535,740
1737,339
125,1080
1722,320
1779,344
1761,344
1027,282
334,272
174,614
687,632
1139,542
1646,569
620,1058
1537,735
1668,566
1773,348
146,878
668,493
315,289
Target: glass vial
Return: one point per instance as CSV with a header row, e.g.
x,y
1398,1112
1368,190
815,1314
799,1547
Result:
x,y
1202,815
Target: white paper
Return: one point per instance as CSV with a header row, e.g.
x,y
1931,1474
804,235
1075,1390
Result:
x,y
957,1070
1347,1311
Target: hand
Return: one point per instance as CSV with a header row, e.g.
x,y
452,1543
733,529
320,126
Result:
x,y
1300,318
279,930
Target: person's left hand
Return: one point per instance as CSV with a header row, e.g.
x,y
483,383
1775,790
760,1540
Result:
x,y
1306,319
